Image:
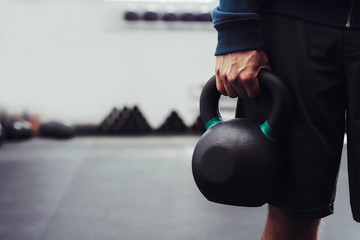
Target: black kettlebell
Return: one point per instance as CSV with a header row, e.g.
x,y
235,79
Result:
x,y
238,162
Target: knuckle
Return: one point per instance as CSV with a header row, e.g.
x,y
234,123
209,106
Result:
x,y
247,77
248,82
223,75
232,78
217,70
232,81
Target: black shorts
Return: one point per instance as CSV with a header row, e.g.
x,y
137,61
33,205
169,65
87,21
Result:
x,y
321,65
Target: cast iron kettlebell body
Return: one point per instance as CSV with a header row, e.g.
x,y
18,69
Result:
x,y
238,162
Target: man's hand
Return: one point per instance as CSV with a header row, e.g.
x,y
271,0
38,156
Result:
x,y
236,73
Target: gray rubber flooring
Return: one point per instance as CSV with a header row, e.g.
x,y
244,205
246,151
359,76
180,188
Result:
x,y
125,189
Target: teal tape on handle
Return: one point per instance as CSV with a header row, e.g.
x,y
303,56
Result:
x,y
269,132
213,122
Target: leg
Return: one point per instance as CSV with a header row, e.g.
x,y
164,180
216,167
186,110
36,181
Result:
x,y
281,227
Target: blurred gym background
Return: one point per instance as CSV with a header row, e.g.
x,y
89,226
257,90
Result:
x,y
99,117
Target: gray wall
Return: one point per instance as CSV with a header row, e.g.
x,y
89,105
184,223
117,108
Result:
x,y
74,60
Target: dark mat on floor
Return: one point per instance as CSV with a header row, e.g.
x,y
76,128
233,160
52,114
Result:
x,y
124,188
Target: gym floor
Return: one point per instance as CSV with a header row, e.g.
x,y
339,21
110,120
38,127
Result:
x,y
127,188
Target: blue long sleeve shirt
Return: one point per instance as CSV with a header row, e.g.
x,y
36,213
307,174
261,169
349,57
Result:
x,y
238,21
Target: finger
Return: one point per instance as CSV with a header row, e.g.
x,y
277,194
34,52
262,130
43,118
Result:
x,y
231,92
221,88
226,64
238,86
219,85
219,77
252,87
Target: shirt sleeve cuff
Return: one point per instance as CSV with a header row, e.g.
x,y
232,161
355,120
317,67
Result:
x,y
238,36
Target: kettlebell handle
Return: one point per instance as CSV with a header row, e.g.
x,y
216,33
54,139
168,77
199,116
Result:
x,y
268,81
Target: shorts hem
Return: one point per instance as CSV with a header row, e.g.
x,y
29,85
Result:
x,y
356,217
308,214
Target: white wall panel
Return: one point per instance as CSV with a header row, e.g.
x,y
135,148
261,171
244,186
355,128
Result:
x,y
75,60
